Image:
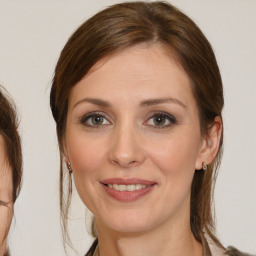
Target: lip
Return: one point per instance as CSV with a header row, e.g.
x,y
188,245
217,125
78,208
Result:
x,y
128,196
130,181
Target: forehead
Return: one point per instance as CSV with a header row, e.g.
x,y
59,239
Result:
x,y
139,71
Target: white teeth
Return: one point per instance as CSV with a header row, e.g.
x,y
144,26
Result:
x,y
122,187
131,187
138,186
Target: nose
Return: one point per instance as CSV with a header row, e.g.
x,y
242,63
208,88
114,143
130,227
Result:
x,y
126,147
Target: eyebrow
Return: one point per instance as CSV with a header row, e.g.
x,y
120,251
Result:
x,y
98,102
151,102
144,103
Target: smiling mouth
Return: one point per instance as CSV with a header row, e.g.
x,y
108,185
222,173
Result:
x,y
131,187
127,190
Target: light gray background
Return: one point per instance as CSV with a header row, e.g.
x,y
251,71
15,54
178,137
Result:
x,y
32,34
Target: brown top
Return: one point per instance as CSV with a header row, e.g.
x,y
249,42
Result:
x,y
206,249
210,249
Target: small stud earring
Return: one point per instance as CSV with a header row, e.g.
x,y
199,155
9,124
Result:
x,y
69,168
205,167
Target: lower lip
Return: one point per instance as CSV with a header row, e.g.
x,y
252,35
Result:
x,y
128,196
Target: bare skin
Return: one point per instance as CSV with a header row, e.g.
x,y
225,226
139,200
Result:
x,y
134,117
6,211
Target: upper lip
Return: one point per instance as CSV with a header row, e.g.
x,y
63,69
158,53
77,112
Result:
x,y
121,181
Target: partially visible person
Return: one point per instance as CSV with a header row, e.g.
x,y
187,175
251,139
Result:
x,y
10,166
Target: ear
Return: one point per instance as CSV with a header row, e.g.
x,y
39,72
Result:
x,y
65,152
210,144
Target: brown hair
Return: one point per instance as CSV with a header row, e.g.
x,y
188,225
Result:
x,y
9,131
127,24
12,144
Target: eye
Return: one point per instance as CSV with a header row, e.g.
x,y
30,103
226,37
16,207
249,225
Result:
x,y
161,120
94,120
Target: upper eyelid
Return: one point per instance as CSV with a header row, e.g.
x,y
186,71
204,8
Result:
x,y
94,113
163,114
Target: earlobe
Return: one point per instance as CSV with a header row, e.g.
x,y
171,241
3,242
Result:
x,y
68,163
65,152
66,157
210,144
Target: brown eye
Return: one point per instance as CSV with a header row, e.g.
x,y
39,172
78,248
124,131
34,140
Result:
x,y
97,120
94,120
159,120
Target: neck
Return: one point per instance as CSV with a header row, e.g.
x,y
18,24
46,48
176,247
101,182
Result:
x,y
164,240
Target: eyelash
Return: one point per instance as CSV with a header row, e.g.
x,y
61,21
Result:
x,y
163,115
86,117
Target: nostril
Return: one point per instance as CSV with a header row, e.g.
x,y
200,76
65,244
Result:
x,y
114,162
124,163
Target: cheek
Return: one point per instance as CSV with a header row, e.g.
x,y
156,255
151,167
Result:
x,y
175,162
86,156
176,157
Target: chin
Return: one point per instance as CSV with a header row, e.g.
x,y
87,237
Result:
x,y
129,222
129,227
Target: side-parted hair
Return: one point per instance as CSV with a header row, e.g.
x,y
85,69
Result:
x,y
124,25
9,130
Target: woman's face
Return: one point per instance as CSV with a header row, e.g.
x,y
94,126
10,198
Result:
x,y
6,211
133,139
